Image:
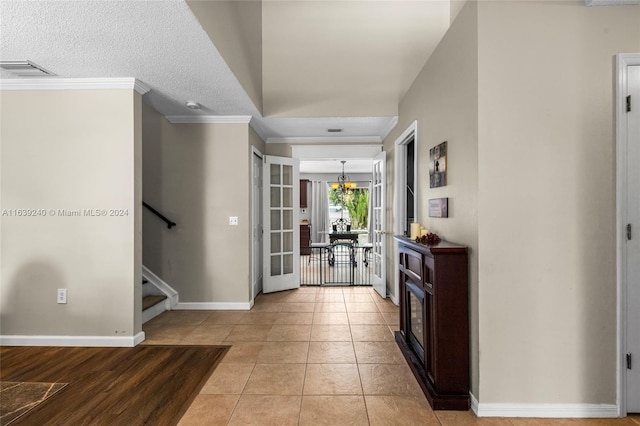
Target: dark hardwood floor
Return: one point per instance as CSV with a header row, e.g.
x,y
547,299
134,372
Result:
x,y
112,386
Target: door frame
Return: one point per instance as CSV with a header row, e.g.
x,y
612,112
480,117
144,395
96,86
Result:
x,y
256,152
399,202
623,61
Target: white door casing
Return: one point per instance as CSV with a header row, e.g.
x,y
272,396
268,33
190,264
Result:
x,y
400,183
256,222
379,239
628,227
633,244
281,211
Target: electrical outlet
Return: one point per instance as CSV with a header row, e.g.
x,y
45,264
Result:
x,y
62,295
233,220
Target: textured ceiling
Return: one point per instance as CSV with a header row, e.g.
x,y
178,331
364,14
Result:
x,y
162,44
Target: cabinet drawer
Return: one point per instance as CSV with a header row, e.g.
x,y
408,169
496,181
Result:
x,y
413,263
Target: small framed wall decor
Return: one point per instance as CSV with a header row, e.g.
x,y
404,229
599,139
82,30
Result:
x,y
439,207
438,165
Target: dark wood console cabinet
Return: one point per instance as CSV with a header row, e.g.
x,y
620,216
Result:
x,y
305,239
434,320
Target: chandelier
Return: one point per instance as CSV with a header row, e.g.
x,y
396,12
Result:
x,y
343,183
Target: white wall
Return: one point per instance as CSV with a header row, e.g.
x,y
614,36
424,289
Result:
x,y
70,150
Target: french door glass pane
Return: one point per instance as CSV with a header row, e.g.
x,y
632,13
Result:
x,y
287,219
287,242
276,245
276,268
287,175
287,197
275,197
275,174
275,220
288,263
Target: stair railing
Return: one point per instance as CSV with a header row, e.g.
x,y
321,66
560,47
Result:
x,y
170,223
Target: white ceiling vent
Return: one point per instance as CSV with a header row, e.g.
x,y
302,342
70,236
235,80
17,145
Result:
x,y
25,69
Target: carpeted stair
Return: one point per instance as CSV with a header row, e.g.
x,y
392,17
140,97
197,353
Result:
x,y
150,298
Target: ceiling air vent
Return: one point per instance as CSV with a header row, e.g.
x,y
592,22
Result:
x,y
25,69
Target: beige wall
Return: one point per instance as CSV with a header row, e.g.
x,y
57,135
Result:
x,y
198,175
278,149
444,101
235,28
546,199
71,150
455,6
528,117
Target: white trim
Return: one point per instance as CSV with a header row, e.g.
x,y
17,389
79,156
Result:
x,y
610,2
324,139
254,289
55,83
172,295
400,182
623,61
214,306
392,124
92,341
474,403
394,299
209,119
155,310
330,152
547,410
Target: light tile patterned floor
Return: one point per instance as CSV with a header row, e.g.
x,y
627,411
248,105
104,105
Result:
x,y
313,356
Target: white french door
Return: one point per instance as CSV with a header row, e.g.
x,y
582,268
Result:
x,y
281,199
256,223
632,231
378,202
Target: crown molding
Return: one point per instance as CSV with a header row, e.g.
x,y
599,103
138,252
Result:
x,y
209,119
55,83
324,151
326,139
389,127
610,2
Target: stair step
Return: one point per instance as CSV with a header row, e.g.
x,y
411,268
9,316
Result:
x,y
149,301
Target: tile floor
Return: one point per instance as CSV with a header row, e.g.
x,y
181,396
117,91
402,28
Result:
x,y
313,356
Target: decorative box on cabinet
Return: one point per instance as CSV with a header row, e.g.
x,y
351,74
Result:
x,y
305,239
434,320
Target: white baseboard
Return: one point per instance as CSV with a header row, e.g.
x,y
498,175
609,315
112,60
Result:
x,y
214,306
474,403
544,410
92,341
